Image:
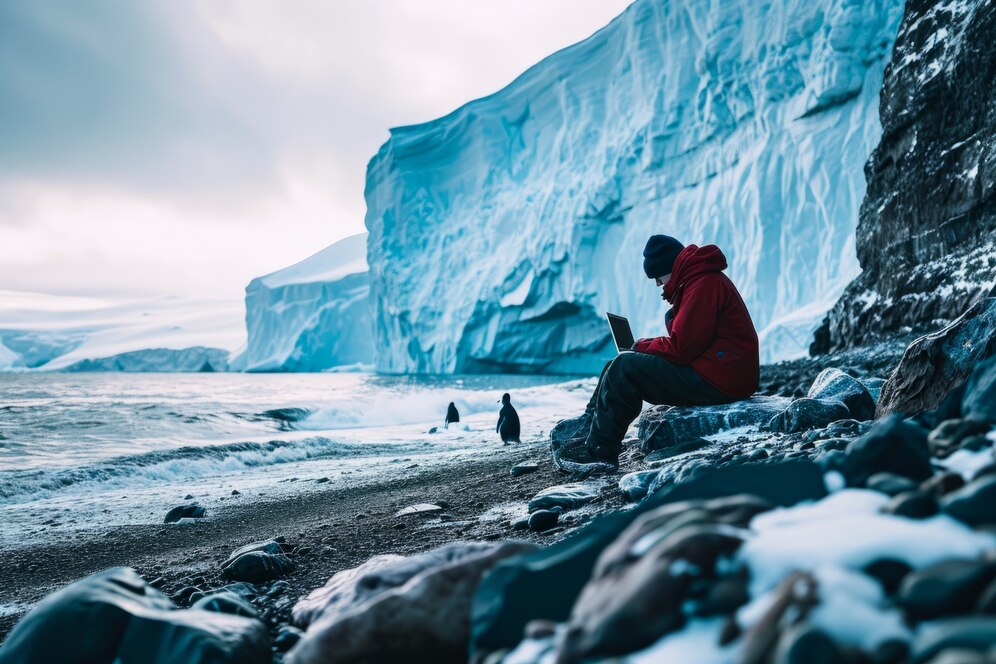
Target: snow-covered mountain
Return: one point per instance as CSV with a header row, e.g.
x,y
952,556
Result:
x,y
50,332
501,233
313,315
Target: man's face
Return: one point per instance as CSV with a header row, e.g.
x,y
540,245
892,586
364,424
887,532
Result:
x,y
662,281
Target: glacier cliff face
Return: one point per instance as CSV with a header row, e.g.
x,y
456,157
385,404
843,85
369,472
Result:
x,y
313,315
501,233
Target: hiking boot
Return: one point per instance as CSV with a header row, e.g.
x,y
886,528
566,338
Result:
x,y
565,432
578,458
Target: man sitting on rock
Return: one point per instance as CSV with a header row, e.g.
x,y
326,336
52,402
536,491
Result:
x,y
710,357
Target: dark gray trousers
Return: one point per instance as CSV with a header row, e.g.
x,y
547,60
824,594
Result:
x,y
627,381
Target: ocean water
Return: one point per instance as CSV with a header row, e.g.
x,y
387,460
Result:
x,y
84,451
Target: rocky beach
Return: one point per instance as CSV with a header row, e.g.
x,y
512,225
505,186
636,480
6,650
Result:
x,y
792,527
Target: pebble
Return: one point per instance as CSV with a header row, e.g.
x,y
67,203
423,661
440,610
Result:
x,y
805,644
542,520
286,637
890,484
523,469
420,508
913,505
945,588
191,511
973,504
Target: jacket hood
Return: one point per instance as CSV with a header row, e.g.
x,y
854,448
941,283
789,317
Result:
x,y
692,262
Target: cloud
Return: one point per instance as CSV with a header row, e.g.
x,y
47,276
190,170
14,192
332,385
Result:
x,y
182,146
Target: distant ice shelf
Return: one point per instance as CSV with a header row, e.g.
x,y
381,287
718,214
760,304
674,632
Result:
x,y
57,333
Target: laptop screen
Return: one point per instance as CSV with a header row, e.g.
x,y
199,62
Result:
x,y
621,332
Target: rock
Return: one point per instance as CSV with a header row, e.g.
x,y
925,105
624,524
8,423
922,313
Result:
x,y
894,446
630,602
804,414
636,485
979,401
541,520
349,588
661,427
191,511
889,484
793,599
945,588
523,469
226,602
352,587
520,524
835,385
242,589
758,455
257,567
115,616
236,492
874,386
188,497
806,644
566,496
286,637
889,572
425,619
420,508
272,546
943,483
657,457
546,584
639,586
725,596
970,633
433,430
949,435
913,505
937,363
974,504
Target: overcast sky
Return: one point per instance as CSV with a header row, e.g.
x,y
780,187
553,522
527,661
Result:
x,y
186,147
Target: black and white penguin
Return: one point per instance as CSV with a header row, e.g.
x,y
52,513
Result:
x,y
508,421
452,415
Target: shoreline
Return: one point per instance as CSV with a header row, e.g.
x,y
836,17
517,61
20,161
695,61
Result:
x,y
332,529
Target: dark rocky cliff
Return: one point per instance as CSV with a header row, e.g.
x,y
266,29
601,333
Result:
x,y
926,238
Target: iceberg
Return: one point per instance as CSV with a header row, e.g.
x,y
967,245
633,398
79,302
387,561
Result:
x,y
313,315
501,233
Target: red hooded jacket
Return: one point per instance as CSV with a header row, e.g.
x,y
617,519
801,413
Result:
x,y
711,330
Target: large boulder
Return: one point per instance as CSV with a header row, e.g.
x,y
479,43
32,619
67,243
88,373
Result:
x,y
836,385
351,588
805,414
643,581
662,427
937,363
114,616
892,446
834,395
426,619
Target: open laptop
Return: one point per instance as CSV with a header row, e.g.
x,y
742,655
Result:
x,y
622,335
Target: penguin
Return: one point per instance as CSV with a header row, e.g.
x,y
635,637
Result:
x,y
508,421
452,415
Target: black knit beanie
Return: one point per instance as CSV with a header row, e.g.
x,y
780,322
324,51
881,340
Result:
x,y
659,255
